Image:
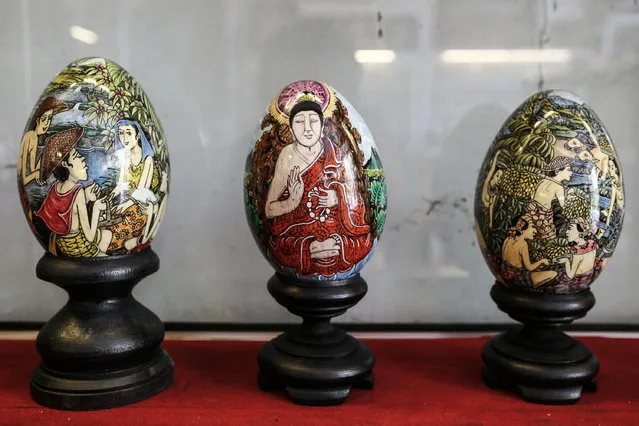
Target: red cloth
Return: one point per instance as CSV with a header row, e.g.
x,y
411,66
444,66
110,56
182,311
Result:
x,y
293,232
57,208
417,382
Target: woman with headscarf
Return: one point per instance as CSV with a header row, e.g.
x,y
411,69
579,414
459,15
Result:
x,y
137,181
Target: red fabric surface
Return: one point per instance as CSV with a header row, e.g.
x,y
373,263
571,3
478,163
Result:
x,y
417,382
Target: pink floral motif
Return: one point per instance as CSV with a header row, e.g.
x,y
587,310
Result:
x,y
288,96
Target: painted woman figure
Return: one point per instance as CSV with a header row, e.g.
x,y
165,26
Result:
x,y
318,213
550,188
28,167
490,189
136,184
516,263
154,213
64,211
581,263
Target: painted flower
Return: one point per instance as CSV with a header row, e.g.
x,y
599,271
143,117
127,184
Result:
x,y
119,96
101,108
97,111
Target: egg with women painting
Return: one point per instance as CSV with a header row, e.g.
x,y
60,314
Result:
x,y
549,201
315,191
93,168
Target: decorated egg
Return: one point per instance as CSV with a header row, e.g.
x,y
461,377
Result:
x,y
549,201
315,191
93,169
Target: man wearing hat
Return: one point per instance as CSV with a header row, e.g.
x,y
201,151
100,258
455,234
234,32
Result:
x,y
64,209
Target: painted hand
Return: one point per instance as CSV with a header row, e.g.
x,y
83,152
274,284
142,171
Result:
x,y
91,192
122,186
328,200
119,209
295,185
100,204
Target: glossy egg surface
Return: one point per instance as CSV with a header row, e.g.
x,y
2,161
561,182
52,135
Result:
x,y
549,201
93,167
315,192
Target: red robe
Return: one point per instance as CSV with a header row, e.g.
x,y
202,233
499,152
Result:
x,y
57,209
294,232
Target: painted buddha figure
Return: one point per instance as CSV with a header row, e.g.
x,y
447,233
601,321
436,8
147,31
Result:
x,y
318,214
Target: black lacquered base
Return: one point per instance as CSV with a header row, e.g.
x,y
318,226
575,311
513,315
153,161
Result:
x,y
537,360
316,363
102,349
316,374
96,391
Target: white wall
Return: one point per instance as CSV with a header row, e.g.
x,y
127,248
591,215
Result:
x,y
211,68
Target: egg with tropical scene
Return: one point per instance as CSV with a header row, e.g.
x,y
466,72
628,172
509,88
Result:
x,y
549,201
93,166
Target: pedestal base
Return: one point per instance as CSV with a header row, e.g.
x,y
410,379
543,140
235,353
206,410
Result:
x,y
322,378
102,349
537,360
316,363
554,376
96,391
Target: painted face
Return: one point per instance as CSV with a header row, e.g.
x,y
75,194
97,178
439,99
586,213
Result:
x,y
496,177
127,136
529,232
573,233
573,143
564,174
307,128
77,166
43,123
586,156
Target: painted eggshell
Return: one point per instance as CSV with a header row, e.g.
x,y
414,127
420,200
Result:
x,y
549,202
93,168
315,192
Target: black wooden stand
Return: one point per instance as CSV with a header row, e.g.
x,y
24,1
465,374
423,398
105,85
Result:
x,y
316,363
538,360
102,349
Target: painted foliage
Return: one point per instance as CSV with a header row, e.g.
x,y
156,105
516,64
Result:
x,y
93,168
549,201
315,192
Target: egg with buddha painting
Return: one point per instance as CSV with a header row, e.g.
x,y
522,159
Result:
x,y
315,191
93,167
549,201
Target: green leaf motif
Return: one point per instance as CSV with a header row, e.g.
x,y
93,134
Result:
x,y
562,131
380,219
